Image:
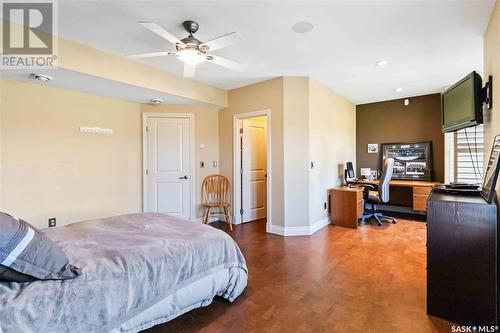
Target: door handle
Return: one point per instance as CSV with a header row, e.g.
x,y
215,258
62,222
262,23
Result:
x,y
184,177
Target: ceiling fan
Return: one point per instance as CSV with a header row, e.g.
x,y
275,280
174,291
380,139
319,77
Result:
x,y
192,51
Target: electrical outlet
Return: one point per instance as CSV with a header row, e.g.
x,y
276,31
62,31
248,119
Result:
x,y
52,222
202,164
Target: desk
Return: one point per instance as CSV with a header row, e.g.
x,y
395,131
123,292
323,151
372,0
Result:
x,y
418,191
346,206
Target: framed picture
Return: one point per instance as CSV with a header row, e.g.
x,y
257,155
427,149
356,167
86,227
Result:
x,y
412,161
373,148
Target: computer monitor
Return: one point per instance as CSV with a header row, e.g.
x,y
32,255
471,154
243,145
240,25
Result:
x,y
350,170
349,173
491,176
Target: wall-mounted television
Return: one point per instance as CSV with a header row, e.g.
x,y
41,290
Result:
x,y
462,104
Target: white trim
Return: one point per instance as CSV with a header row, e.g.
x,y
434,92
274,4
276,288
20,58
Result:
x,y
192,145
210,219
319,225
19,248
236,167
299,231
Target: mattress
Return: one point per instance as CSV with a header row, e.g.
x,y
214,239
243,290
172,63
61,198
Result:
x,y
198,294
133,267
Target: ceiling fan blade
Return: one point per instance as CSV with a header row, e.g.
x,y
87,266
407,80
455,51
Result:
x,y
224,41
151,55
227,63
160,31
189,71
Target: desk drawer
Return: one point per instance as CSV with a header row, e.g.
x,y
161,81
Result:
x,y
422,190
360,208
359,195
420,202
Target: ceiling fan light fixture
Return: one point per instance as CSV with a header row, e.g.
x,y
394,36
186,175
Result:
x,y
191,57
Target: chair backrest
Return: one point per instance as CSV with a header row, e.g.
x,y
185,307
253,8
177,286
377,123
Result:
x,y
383,186
215,189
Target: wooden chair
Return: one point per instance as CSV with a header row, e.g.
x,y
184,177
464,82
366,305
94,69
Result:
x,y
215,192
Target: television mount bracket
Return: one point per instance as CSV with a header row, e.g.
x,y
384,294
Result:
x,y
488,93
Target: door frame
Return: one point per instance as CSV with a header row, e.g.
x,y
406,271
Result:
x,y
145,189
236,165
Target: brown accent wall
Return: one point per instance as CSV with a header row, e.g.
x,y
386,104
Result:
x,y
392,121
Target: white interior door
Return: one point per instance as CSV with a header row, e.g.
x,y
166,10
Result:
x,y
169,166
254,169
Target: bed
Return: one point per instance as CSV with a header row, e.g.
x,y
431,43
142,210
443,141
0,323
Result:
x,y
138,270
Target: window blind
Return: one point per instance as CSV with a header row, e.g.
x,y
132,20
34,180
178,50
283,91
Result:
x,y
469,151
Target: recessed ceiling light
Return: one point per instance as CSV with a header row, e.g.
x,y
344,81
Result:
x,y
381,63
302,27
156,101
41,77
398,89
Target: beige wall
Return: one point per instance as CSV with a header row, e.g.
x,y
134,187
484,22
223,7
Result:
x,y
492,67
207,133
332,141
296,150
256,97
53,170
50,169
308,122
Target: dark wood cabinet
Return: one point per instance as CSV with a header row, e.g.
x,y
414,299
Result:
x,y
462,259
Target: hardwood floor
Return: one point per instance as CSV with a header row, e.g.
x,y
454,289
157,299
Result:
x,y
370,279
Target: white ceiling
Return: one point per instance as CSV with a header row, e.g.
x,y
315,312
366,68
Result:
x,y
428,44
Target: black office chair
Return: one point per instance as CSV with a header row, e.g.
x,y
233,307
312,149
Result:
x,y
378,197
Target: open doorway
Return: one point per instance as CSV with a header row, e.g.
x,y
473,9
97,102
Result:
x,y
251,177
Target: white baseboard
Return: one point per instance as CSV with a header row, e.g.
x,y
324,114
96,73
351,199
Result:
x,y
298,231
236,221
214,219
319,224
210,219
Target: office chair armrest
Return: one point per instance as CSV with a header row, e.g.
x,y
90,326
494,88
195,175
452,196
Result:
x,y
367,189
367,186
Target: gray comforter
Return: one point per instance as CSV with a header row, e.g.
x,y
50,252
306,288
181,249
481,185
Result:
x,y
128,264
